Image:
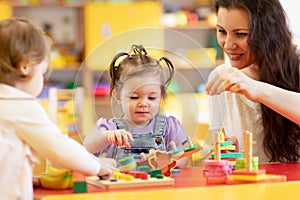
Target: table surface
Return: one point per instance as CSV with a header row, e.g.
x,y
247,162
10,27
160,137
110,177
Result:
x,y
190,183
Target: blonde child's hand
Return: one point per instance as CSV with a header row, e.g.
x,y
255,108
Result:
x,y
119,137
107,167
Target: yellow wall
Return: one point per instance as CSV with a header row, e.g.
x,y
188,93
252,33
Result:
x,y
113,27
5,10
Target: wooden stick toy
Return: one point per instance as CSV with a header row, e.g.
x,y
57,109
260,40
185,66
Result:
x,y
217,172
250,174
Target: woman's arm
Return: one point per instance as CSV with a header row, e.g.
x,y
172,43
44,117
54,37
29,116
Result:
x,y
286,103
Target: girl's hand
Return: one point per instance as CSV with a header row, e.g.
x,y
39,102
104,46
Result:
x,y
233,80
118,137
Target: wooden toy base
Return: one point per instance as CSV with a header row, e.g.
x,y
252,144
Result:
x,y
108,184
259,176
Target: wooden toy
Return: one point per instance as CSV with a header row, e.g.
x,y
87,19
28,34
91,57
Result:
x,y
176,152
162,160
250,174
127,163
191,149
129,179
217,170
166,161
80,187
246,171
227,150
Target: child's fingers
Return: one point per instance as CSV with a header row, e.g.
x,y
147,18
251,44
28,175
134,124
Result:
x,y
129,136
119,138
111,138
126,138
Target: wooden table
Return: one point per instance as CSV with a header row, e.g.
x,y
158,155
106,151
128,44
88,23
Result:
x,y
189,183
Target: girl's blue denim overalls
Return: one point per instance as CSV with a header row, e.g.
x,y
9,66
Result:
x,y
142,142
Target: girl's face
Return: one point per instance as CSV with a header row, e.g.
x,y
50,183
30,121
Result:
x,y
35,84
232,34
140,98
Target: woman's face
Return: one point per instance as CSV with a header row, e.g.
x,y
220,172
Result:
x,y
232,34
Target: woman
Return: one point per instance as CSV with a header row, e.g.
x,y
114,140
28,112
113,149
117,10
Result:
x,y
264,64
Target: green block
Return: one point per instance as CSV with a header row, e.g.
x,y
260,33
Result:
x,y
226,143
160,176
80,187
155,172
230,155
144,168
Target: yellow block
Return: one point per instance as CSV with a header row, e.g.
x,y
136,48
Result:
x,y
231,147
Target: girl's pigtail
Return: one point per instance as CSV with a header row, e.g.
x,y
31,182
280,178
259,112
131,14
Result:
x,y
170,68
141,51
114,70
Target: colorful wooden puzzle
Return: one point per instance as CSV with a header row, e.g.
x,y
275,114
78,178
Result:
x,y
154,169
226,150
217,171
132,178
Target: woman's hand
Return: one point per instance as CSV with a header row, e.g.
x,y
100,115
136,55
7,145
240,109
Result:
x,y
118,137
233,80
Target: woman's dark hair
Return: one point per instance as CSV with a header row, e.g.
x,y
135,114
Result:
x,y
138,62
270,41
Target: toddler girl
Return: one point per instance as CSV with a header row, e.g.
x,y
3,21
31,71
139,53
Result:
x,y
137,86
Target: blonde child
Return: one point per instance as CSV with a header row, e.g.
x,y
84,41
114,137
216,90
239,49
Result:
x,y
25,129
137,86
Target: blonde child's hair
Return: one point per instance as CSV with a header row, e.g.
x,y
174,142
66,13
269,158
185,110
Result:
x,y
20,41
